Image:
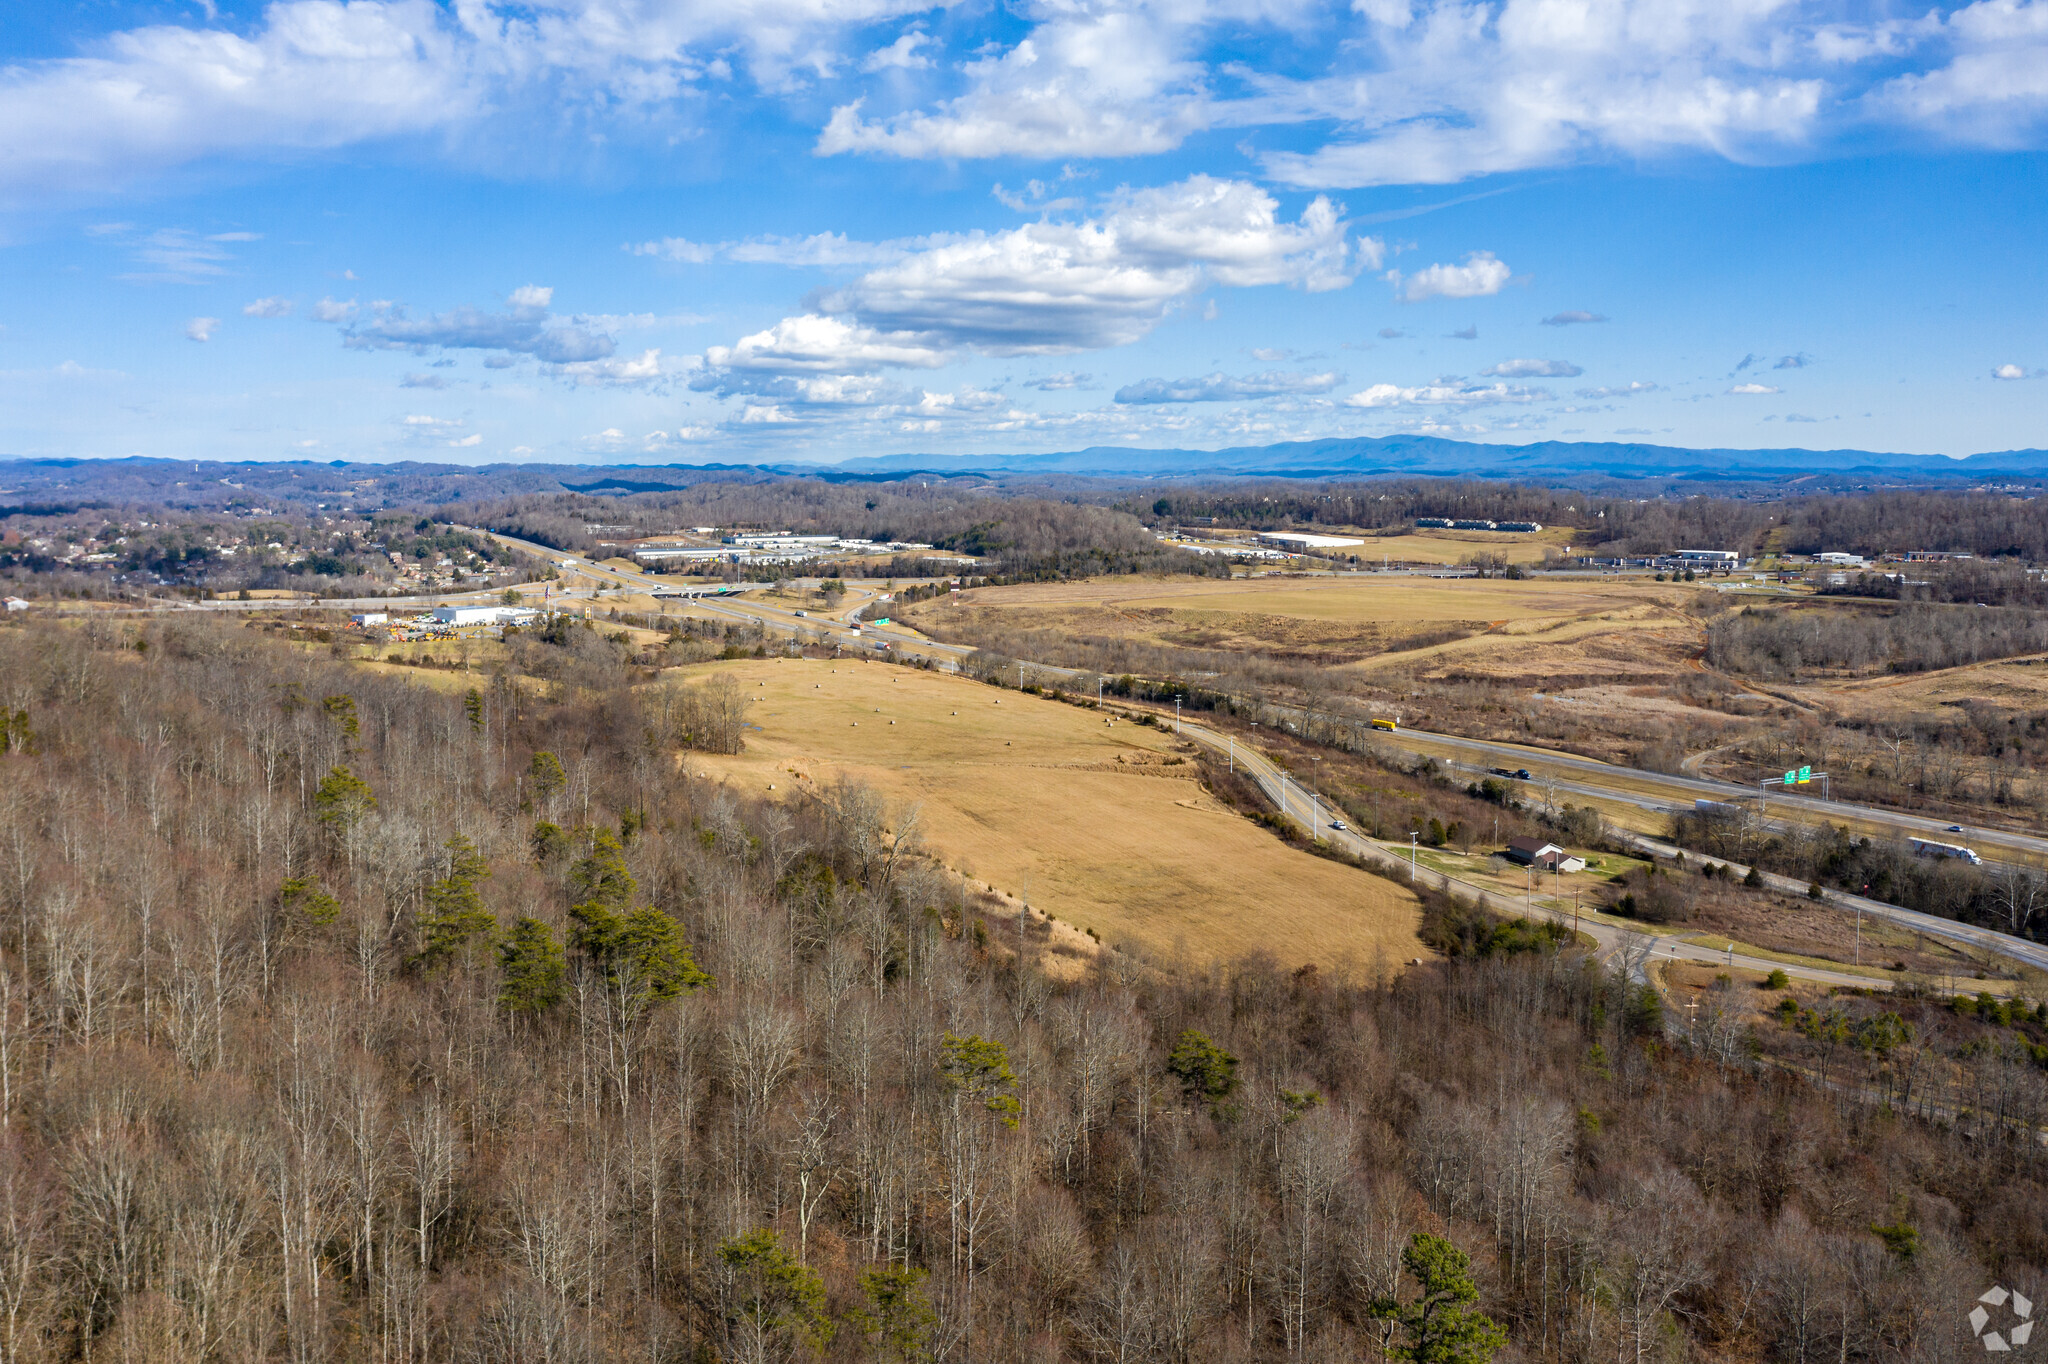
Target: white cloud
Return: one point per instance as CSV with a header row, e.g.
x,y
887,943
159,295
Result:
x,y
1629,390
819,250
1418,90
201,328
525,328
1755,389
1088,81
327,310
1533,369
1219,388
815,344
1446,392
2010,372
433,381
1049,288
901,55
1572,318
1993,90
268,307
616,371
420,420
1062,381
474,438
1480,275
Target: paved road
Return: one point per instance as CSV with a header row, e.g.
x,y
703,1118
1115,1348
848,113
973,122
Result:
x,y
1682,791
1610,940
1587,774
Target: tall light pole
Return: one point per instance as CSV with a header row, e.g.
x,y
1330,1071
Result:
x,y
1315,797
1176,715
1411,857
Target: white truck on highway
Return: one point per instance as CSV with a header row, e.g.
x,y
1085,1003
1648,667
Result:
x,y
1927,847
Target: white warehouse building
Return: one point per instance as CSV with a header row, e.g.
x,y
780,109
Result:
x,y
482,615
1297,541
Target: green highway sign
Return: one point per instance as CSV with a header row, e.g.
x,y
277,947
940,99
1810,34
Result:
x,y
1805,775
1791,778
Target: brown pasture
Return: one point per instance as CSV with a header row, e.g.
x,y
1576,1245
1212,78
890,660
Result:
x,y
1103,826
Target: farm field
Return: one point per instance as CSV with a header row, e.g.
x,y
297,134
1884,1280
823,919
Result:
x,y
1432,547
1591,628
1105,827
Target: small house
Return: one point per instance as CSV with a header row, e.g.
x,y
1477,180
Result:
x,y
1542,855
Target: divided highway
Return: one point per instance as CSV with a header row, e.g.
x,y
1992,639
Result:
x,y
1578,776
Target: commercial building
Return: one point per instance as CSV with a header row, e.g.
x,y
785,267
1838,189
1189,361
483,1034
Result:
x,y
1707,558
483,615
368,618
1296,541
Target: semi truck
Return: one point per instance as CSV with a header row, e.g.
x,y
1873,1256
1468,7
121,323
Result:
x,y
1927,847
1386,724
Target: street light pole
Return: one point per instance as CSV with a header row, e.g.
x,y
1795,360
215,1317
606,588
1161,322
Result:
x,y
1315,798
1411,857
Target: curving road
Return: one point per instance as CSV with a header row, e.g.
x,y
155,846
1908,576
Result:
x,y
1622,784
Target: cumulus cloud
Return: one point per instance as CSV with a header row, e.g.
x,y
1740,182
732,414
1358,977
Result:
x,y
1062,381
1219,388
1053,288
1755,389
420,420
621,371
201,328
1470,333
268,307
1480,275
473,438
1572,317
312,75
1533,369
2011,372
524,328
1446,392
1629,390
1793,362
901,55
423,381
327,310
818,344
1419,91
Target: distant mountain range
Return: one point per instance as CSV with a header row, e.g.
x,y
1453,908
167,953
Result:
x,y
1412,456
1656,467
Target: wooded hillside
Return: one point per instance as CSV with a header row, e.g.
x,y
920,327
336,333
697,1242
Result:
x,y
344,1018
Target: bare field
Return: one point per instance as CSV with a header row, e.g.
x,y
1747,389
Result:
x,y
1105,827
1516,630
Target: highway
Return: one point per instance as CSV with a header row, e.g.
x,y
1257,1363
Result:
x,y
1574,775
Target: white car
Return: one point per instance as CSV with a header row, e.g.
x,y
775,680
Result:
x,y
1339,825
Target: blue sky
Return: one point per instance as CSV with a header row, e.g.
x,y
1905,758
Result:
x,y
647,231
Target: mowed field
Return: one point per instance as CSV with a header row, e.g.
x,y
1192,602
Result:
x,y
1430,547
1106,826
1577,626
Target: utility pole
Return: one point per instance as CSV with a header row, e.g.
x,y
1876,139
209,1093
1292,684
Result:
x,y
1411,857
1315,797
1233,753
1176,715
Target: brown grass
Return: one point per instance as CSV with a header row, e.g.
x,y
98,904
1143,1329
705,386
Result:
x,y
1105,827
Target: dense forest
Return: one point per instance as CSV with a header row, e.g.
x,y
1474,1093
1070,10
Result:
x,y
347,1018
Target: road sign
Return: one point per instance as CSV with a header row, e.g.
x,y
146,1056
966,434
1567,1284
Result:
x,y
1792,778
1805,775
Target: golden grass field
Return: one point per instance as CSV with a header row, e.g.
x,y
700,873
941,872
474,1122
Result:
x,y
1585,627
1104,826
1437,546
